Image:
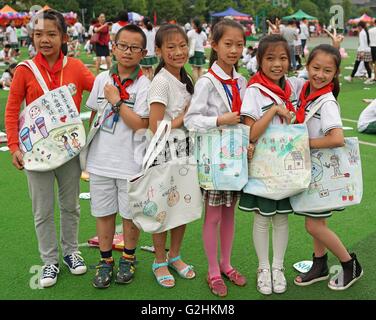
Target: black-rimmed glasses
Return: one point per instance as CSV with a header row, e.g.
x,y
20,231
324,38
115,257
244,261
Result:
x,y
125,47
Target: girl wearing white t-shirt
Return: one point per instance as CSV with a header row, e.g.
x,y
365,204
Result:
x,y
197,39
325,131
207,111
367,119
260,110
169,97
150,59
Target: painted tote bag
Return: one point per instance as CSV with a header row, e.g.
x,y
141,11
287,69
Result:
x,y
281,165
167,195
51,130
221,155
336,179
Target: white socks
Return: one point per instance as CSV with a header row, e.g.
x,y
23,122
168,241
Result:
x,y
261,226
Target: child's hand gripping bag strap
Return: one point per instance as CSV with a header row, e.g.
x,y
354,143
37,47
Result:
x,y
51,130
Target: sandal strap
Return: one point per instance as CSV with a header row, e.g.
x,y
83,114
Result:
x,y
164,278
172,260
156,266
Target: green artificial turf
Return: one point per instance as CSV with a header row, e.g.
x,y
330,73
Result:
x,y
20,261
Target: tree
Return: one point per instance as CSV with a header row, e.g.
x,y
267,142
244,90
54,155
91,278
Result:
x,y
220,5
110,8
138,6
308,7
168,10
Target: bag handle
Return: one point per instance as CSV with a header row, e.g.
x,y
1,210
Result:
x,y
220,89
155,148
268,92
34,69
316,107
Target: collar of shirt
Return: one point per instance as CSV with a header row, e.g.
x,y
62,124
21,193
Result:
x,y
133,76
219,71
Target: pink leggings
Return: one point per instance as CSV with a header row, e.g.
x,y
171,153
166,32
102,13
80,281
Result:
x,y
214,216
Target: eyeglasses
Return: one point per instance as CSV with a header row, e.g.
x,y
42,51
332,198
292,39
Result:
x,y
125,47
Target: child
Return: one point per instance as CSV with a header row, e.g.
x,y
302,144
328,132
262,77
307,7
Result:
x,y
111,157
50,38
7,77
209,111
367,119
197,37
7,55
148,62
169,97
325,131
260,110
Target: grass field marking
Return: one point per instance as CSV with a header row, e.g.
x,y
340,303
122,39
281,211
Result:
x,y
350,120
367,143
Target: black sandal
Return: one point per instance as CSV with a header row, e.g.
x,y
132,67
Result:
x,y
318,272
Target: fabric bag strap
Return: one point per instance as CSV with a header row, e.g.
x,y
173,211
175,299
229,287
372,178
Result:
x,y
220,89
270,93
318,104
155,148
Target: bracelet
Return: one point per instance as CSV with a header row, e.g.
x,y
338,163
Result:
x,y
116,106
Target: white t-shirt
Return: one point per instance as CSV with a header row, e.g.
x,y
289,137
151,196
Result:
x,y
119,154
199,38
325,119
367,116
24,32
363,42
255,103
6,77
115,28
150,41
78,27
207,104
169,91
304,33
372,37
12,34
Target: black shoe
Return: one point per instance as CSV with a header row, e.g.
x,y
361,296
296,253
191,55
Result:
x,y
103,276
351,272
126,270
318,272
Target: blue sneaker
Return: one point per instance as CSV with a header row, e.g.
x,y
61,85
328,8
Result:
x,y
75,263
49,275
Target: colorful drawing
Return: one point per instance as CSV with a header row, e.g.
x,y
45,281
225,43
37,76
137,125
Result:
x,y
75,142
150,209
173,197
161,217
67,146
25,139
42,127
34,112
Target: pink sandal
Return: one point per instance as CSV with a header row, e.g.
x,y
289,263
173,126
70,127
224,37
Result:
x,y
235,277
217,286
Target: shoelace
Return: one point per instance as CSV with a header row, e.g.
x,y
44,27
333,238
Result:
x,y
76,259
50,270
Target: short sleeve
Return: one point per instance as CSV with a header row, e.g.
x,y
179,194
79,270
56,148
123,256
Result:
x,y
250,106
92,101
330,117
159,91
141,104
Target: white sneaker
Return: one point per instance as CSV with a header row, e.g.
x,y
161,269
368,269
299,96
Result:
x,y
370,81
75,263
348,78
279,281
264,281
49,275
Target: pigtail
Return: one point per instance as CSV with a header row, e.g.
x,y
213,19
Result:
x,y
186,80
337,87
159,67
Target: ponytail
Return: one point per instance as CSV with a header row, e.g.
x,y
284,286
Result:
x,y
337,87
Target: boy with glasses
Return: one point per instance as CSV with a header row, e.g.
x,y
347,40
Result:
x,y
115,154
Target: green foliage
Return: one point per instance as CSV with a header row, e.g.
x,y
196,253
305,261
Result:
x,y
139,6
110,8
168,10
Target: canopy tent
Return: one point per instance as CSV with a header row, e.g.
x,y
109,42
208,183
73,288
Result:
x,y
7,9
231,12
7,14
134,16
365,17
299,15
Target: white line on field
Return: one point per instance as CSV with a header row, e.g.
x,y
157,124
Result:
x,y
349,120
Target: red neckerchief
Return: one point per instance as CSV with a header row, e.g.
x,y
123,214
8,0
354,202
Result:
x,y
124,95
306,98
284,94
236,102
53,72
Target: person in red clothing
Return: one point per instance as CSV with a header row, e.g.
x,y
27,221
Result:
x,y
101,47
50,38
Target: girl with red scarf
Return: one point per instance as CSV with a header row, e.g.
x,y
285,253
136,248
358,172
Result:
x,y
217,101
325,131
260,110
50,38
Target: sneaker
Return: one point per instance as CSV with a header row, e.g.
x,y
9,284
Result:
x,y
348,78
103,276
264,281
370,81
75,263
279,280
126,270
351,272
318,272
49,275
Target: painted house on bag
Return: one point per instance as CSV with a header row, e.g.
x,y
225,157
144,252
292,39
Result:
x,y
294,161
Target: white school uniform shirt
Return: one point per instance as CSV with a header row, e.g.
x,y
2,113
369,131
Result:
x,y
372,37
117,155
367,116
255,103
200,38
150,41
325,119
207,104
363,43
304,33
169,91
12,34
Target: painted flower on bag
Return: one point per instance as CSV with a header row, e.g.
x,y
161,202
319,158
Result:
x,y
173,197
187,198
